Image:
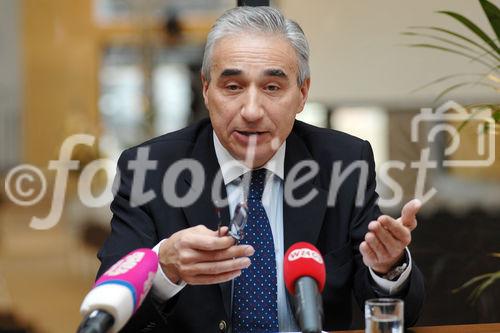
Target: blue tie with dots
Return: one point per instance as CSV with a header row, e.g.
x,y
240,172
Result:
x,y
255,294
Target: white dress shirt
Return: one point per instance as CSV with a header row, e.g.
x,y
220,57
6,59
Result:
x,y
272,200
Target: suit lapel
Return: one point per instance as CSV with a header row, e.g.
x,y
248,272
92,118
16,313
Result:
x,y
302,223
203,211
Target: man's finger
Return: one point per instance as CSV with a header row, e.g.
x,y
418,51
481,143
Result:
x,y
235,251
392,244
369,257
398,231
376,246
222,232
213,279
190,256
409,213
216,268
208,242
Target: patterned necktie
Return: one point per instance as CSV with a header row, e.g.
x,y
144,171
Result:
x,y
255,307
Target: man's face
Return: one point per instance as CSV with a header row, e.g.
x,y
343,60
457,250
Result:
x,y
253,93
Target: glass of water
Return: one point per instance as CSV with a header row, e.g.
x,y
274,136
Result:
x,y
384,315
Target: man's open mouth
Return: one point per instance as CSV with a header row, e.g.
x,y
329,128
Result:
x,y
248,133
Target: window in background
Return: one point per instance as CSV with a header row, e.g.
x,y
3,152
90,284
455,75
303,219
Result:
x,y
371,124
172,97
110,11
121,100
368,123
177,98
10,138
129,113
315,114
11,87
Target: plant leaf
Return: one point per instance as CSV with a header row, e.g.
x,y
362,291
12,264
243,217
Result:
x,y
445,40
483,105
445,78
449,32
472,27
493,78
483,55
472,281
477,109
479,289
493,14
446,49
459,85
496,118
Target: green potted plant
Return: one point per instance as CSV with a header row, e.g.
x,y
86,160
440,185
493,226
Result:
x,y
483,49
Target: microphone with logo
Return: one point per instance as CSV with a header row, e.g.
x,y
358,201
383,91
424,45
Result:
x,y
304,274
118,293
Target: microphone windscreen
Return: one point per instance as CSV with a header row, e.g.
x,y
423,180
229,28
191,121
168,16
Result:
x,y
135,271
303,259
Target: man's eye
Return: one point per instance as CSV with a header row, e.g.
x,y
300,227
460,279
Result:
x,y
232,87
272,87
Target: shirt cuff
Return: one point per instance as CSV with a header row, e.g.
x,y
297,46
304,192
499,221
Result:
x,y
393,287
163,288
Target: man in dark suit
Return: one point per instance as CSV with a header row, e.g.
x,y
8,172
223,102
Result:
x,y
255,80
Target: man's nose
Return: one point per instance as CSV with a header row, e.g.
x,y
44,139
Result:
x,y
252,109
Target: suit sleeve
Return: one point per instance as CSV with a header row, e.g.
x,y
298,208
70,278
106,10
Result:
x,y
132,227
413,293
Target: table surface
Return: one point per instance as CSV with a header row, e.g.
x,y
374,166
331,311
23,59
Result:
x,y
475,328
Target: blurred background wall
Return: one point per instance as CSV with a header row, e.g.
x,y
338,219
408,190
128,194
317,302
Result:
x,y
124,71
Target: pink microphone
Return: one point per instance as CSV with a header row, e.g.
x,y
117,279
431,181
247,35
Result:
x,y
119,292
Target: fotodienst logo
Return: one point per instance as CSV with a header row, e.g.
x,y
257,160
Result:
x,y
451,118
444,130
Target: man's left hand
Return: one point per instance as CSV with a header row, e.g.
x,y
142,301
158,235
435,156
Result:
x,y
387,238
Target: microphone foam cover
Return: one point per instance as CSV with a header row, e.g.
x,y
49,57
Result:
x,y
135,271
303,259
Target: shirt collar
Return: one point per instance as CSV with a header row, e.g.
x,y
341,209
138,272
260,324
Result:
x,y
232,168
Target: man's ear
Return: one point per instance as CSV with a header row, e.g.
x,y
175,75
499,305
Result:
x,y
304,92
205,84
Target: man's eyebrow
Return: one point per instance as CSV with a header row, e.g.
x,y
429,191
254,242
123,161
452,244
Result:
x,y
275,72
231,72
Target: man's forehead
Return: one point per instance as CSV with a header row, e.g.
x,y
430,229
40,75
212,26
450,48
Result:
x,y
271,55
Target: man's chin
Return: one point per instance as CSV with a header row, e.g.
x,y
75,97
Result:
x,y
256,161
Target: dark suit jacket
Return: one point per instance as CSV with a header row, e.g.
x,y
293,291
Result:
x,y
335,230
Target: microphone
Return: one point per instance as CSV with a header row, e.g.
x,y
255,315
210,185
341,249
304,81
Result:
x,y
305,275
119,292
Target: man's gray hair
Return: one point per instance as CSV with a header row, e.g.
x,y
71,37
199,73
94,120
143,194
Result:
x,y
258,20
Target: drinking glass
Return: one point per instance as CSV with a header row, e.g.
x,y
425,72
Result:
x,y
384,315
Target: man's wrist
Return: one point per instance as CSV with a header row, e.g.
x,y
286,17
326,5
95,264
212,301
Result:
x,y
163,288
174,278
168,269
390,269
385,287
396,272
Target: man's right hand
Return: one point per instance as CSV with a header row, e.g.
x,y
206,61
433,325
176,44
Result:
x,y
199,255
